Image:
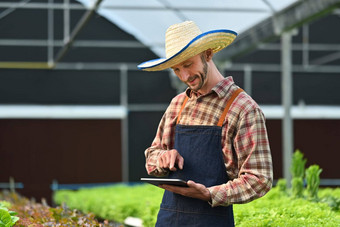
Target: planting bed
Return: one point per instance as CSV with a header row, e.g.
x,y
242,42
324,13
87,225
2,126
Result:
x,y
277,208
31,213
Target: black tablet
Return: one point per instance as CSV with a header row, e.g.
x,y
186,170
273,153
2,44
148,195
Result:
x,y
158,181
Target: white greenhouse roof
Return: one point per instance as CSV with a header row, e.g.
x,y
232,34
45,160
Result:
x,y
148,20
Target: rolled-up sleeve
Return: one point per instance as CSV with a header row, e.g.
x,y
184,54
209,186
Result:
x,y
251,157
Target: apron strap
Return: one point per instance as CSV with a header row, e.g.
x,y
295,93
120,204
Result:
x,y
226,109
182,107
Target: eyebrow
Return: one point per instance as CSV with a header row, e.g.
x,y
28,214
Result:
x,y
183,63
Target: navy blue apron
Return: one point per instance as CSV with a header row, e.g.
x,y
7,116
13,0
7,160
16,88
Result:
x,y
201,149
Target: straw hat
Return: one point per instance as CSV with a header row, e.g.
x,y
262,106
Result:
x,y
185,40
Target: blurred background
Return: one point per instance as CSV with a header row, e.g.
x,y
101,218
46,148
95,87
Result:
x,y
76,112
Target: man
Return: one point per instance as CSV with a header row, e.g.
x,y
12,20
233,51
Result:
x,y
213,135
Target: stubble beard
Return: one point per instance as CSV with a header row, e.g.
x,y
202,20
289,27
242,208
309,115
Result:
x,y
202,75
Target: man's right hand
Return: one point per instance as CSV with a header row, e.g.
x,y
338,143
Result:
x,y
169,158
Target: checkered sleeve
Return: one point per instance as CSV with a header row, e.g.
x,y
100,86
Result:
x,y
152,153
251,158
164,139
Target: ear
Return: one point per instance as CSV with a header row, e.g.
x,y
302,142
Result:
x,y
209,54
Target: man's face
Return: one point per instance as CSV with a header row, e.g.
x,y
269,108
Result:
x,y
193,72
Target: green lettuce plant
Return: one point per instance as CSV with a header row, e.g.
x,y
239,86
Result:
x,y
297,187
297,169
313,181
298,164
7,217
282,185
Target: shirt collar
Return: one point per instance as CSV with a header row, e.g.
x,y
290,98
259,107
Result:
x,y
221,88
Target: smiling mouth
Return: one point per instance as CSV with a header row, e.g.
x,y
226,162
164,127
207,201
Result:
x,y
192,80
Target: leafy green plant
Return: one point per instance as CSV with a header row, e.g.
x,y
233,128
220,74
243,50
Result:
x,y
7,217
297,187
278,209
331,197
298,164
282,185
298,170
313,181
332,201
116,202
37,214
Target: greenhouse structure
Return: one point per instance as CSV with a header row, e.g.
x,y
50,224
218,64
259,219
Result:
x,y
75,111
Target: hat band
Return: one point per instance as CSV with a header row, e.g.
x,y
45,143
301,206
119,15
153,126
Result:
x,y
148,64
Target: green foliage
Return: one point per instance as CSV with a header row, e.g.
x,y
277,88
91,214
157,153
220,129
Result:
x,y
297,187
278,209
313,181
36,214
282,185
298,164
298,170
330,197
274,209
332,202
7,218
116,202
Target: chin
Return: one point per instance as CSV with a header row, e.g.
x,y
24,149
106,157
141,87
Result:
x,y
194,88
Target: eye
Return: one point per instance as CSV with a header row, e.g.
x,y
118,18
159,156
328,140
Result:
x,y
187,65
175,70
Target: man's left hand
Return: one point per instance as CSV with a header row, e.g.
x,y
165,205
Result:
x,y
194,190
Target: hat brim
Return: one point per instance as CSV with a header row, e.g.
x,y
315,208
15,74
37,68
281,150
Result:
x,y
215,40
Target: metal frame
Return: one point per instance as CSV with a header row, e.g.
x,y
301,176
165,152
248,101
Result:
x,y
287,98
62,112
73,6
278,23
292,17
125,122
81,23
68,37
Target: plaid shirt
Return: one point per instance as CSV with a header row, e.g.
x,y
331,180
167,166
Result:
x,y
244,141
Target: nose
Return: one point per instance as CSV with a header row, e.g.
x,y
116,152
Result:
x,y
184,74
